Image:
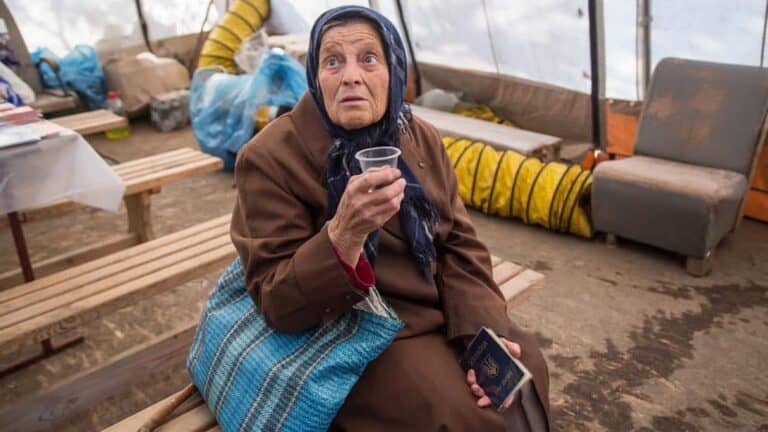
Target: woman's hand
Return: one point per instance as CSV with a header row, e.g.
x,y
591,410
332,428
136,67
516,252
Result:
x,y
368,202
483,400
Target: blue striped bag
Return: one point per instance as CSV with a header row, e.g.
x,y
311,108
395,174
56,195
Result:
x,y
255,378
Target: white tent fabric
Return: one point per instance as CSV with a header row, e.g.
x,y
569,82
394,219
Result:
x,y
545,40
61,24
712,30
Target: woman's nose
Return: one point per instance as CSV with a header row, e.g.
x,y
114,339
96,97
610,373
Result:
x,y
352,74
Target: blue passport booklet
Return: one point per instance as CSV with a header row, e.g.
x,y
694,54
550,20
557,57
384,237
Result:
x,y
498,373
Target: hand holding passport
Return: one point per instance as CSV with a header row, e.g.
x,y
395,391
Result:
x,y
490,365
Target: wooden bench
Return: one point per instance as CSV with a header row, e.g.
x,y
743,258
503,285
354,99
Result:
x,y
45,308
142,177
498,136
91,122
186,410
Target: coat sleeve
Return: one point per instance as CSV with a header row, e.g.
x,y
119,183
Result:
x,y
471,299
291,271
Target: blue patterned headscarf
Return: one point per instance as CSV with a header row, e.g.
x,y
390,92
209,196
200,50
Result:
x,y
418,217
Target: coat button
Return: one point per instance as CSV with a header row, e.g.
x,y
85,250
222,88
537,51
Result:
x,y
328,310
422,164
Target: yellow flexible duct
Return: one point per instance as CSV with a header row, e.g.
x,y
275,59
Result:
x,y
482,112
243,18
508,184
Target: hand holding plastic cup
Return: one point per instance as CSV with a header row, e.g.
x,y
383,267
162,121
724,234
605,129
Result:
x,y
374,157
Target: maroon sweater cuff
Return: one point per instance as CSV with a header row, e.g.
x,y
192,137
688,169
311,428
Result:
x,y
361,276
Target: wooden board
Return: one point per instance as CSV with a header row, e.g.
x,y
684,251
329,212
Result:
x,y
61,262
757,205
91,122
52,407
515,282
46,307
499,136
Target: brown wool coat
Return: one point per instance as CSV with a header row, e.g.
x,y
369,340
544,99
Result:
x,y
292,273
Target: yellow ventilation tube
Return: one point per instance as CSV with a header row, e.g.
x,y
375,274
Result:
x,y
243,18
508,184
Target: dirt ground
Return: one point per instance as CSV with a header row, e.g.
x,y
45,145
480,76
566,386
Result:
x,y
632,342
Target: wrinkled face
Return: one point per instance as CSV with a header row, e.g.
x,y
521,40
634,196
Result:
x,y
353,75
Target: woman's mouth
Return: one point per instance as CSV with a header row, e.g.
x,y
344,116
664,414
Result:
x,y
352,99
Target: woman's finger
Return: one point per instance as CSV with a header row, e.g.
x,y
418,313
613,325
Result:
x,y
471,377
373,179
513,348
484,402
477,390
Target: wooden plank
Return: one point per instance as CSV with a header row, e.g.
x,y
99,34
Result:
x,y
151,164
92,266
520,287
40,289
91,121
162,165
753,168
40,302
499,136
757,205
199,419
48,103
152,158
76,314
134,422
139,220
505,271
77,395
74,258
151,181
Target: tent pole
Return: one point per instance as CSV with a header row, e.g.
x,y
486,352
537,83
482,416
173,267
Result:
x,y
597,65
409,46
643,47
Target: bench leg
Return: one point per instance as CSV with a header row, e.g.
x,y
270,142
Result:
x,y
139,222
699,267
48,348
611,240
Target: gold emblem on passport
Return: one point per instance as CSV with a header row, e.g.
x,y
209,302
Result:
x,y
490,366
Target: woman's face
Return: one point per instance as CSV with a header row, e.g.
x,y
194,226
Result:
x,y
353,75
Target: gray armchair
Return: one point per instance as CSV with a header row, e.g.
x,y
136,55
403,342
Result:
x,y
700,130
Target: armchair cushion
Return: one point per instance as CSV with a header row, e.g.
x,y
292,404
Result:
x,y
672,205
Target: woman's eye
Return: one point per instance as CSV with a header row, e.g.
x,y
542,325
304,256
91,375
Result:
x,y
332,62
370,59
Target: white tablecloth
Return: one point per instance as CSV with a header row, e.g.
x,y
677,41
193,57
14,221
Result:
x,y
63,167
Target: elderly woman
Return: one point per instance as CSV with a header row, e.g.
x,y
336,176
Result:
x,y
313,233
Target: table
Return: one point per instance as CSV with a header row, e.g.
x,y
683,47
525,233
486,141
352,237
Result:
x,y
61,167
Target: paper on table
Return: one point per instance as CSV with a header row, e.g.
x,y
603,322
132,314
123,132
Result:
x,y
16,135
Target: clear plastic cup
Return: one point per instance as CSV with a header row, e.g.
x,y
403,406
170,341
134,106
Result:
x,y
378,157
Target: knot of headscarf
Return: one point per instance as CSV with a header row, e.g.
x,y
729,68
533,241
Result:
x,y
418,217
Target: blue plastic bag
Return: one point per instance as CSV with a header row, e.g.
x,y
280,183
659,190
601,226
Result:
x,y
254,378
80,70
222,106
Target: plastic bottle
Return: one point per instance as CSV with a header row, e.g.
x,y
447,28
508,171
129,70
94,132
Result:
x,y
115,104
